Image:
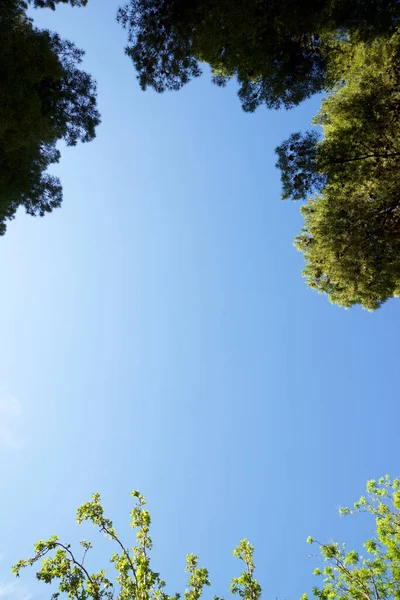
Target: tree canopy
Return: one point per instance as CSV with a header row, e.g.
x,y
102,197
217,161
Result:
x,y
52,3
346,574
44,98
277,51
280,53
134,577
351,239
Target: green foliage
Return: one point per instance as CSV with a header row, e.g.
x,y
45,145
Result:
x,y
352,245
297,160
245,585
44,98
277,51
134,577
52,3
350,239
348,575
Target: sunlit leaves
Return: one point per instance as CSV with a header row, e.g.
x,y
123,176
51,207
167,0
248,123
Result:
x,y
277,51
246,586
134,578
351,235
346,575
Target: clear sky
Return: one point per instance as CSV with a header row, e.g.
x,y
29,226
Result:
x,y
156,333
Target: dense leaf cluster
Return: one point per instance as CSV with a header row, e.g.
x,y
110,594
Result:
x,y
44,98
351,237
277,50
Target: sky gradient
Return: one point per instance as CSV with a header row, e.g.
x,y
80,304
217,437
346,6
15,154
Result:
x,y
157,334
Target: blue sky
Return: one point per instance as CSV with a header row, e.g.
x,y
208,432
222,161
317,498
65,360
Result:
x,y
157,334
